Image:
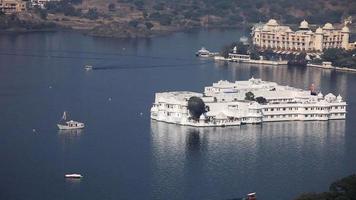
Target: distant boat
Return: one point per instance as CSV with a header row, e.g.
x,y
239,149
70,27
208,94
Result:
x,y
68,125
203,53
77,176
251,196
88,67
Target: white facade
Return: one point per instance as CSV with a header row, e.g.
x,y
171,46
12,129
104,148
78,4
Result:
x,y
42,3
226,105
275,36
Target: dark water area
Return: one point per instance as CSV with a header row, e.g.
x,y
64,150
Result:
x,y
122,154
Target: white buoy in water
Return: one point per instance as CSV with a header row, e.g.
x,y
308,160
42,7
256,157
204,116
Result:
x,y
141,113
109,99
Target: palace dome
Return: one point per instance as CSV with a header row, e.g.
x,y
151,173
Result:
x,y
272,22
319,30
328,26
339,98
304,25
345,29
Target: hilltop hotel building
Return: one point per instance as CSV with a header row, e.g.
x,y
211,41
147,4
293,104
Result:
x,y
275,36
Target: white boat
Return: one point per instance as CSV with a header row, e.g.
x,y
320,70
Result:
x,y
73,176
69,125
203,53
251,196
88,67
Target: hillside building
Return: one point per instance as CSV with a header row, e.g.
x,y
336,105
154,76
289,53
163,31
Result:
x,y
279,37
12,6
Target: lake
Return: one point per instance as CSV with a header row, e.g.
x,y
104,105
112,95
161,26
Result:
x,y
122,154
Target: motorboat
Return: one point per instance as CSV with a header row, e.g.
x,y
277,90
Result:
x,y
251,196
65,124
77,176
203,52
88,67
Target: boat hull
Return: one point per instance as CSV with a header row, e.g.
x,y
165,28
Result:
x,y
65,127
76,176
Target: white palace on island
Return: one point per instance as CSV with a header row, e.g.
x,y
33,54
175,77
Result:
x,y
225,104
279,37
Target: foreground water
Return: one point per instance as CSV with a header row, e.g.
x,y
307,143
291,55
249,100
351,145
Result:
x,y
123,154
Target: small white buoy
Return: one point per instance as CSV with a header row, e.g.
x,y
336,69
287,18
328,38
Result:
x,y
109,99
34,130
141,113
50,87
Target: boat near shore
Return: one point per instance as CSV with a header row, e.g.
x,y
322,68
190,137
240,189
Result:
x,y
204,53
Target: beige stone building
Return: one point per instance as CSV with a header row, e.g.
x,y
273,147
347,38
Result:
x,y
279,37
12,6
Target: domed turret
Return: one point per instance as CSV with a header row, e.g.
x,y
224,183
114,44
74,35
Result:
x,y
339,98
319,31
328,26
320,95
304,25
330,97
272,22
345,29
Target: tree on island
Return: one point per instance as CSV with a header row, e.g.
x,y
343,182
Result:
x,y
196,107
250,96
261,100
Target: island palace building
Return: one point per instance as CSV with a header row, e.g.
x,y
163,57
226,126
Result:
x,y
226,105
278,37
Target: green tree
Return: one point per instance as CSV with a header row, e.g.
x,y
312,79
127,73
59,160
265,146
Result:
x,y
261,100
133,23
250,96
149,25
111,7
92,14
343,189
332,54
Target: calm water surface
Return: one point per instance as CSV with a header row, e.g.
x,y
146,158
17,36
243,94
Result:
x,y
123,154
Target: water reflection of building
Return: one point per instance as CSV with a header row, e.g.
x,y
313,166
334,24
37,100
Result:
x,y
190,158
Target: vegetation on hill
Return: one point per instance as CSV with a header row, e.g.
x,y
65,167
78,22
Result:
x,y
167,15
15,22
343,189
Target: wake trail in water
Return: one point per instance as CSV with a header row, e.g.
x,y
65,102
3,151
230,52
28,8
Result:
x,y
116,67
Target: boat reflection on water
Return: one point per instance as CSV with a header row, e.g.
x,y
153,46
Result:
x,y
236,157
69,136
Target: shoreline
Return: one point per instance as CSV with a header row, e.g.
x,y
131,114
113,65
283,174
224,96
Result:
x,y
342,69
135,33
